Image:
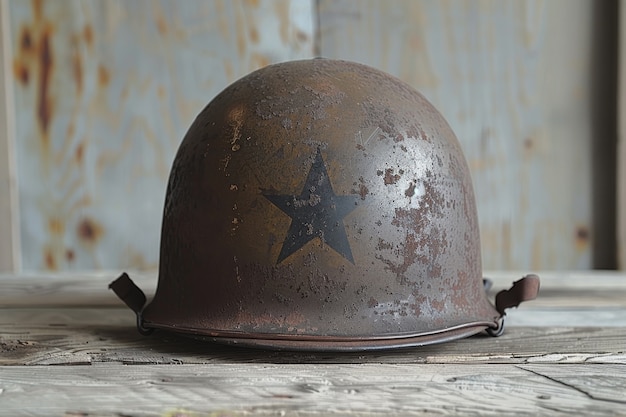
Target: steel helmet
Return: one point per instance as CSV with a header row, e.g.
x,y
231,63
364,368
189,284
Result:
x,y
321,205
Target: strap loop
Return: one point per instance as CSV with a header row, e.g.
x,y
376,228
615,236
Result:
x,y
523,290
133,297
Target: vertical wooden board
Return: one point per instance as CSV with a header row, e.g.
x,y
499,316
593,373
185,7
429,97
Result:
x,y
104,94
621,146
9,232
513,80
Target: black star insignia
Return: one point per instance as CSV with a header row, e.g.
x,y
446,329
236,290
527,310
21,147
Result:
x,y
316,212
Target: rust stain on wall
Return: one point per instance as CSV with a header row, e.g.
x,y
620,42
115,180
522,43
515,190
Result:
x,y
282,11
50,260
161,92
254,34
88,120
88,35
89,231
20,71
103,76
79,153
259,61
44,107
77,66
161,25
26,40
34,55
56,226
20,67
582,237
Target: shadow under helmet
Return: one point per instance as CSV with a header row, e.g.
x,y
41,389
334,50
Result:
x,y
321,205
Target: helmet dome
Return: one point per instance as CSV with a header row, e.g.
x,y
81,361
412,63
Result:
x,y
321,204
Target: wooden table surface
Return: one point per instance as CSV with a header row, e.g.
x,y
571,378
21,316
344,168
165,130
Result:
x,y
69,348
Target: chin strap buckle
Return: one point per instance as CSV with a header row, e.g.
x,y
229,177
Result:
x,y
133,297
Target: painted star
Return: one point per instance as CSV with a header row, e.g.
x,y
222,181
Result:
x,y
316,212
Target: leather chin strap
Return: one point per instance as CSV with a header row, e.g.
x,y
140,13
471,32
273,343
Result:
x,y
525,289
133,297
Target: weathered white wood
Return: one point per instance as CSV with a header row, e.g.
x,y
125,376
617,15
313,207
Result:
x,y
367,389
589,315
71,336
9,213
513,79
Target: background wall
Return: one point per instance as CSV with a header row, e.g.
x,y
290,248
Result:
x,y
529,89
100,93
104,92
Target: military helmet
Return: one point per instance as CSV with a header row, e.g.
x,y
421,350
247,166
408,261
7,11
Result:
x,y
321,205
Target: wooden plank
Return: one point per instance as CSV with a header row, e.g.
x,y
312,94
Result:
x,y
67,289
582,289
302,389
9,219
72,336
489,67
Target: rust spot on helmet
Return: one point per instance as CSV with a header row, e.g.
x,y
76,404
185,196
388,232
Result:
x,y
410,192
363,190
408,253
390,177
382,244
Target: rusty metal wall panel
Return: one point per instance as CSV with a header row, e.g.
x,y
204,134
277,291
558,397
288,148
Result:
x,y
514,81
9,230
105,91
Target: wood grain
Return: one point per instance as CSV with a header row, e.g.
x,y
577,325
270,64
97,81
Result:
x,y
74,336
363,389
73,360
